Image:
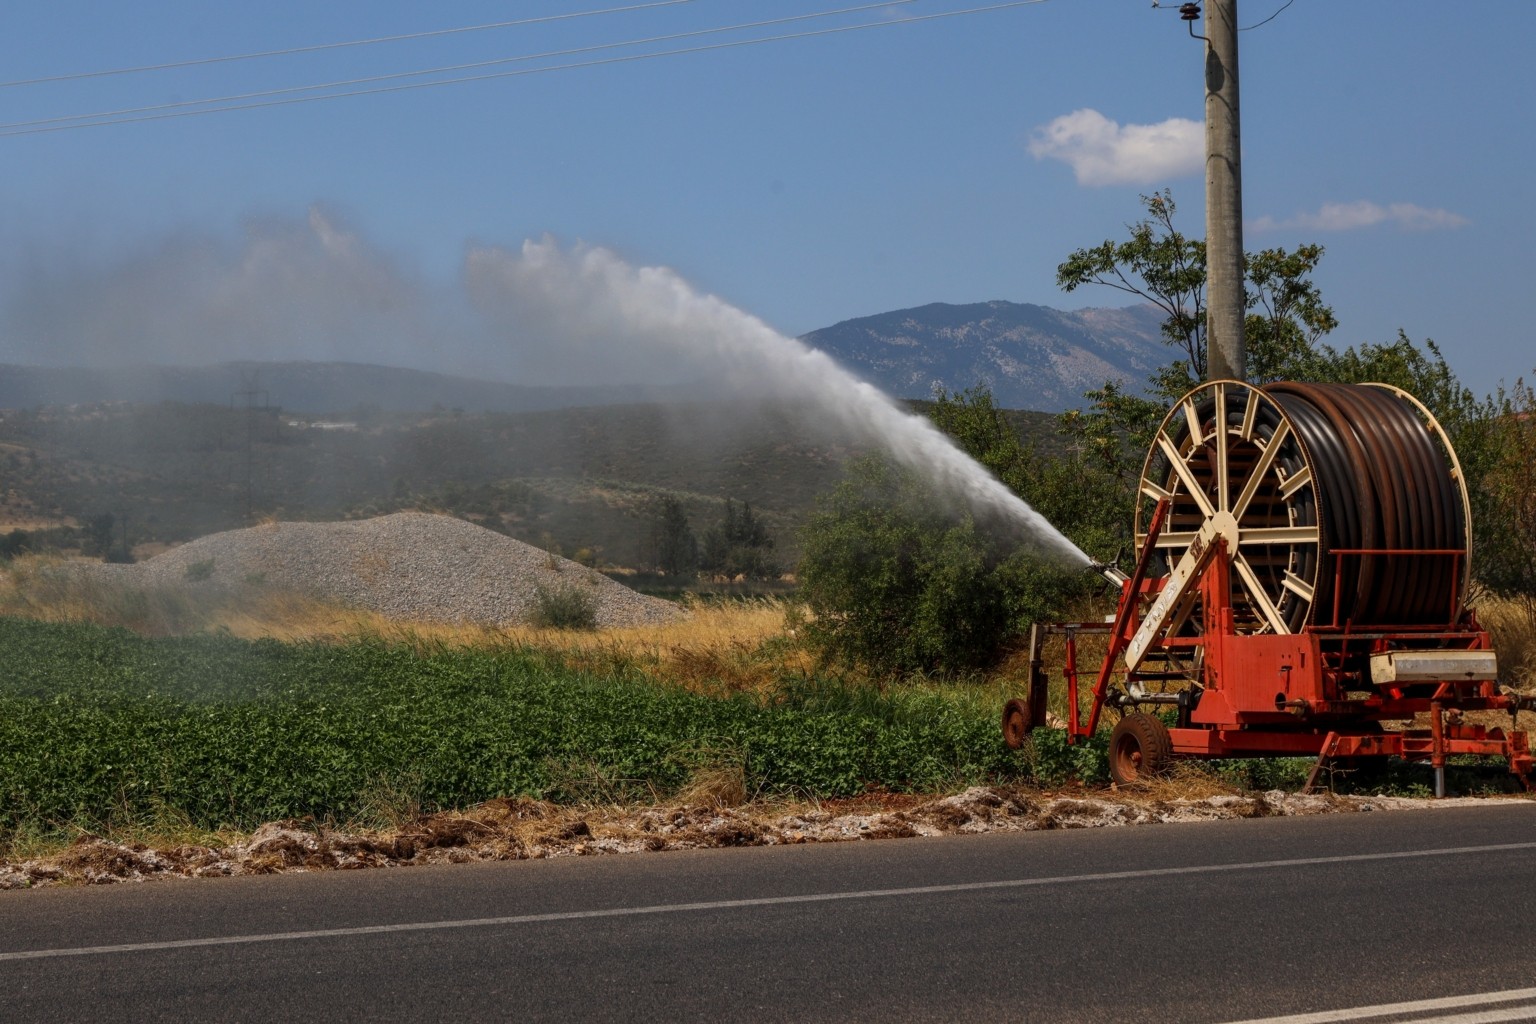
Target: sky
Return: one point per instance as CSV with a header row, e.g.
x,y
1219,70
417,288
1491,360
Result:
x,y
807,180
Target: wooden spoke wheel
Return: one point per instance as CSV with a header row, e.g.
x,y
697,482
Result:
x,y
1227,447
1139,749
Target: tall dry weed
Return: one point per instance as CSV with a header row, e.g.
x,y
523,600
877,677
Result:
x,y
718,780
1511,623
46,588
1185,780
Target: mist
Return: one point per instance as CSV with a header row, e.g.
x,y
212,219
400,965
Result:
x,y
310,288
542,314
586,296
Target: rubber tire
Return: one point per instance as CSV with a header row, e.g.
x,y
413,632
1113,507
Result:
x,y
1139,749
1016,723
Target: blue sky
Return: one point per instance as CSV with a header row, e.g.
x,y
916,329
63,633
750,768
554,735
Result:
x,y
807,181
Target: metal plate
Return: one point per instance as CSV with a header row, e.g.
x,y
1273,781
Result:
x,y
1433,666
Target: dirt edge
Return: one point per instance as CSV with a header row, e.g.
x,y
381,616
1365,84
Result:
x,y
524,829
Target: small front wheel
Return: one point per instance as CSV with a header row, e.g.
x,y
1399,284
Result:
x,y
1017,723
1139,749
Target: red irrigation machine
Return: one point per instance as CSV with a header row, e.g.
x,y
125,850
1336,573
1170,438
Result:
x,y
1302,564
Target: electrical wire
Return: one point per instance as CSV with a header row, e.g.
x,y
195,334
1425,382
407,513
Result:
x,y
341,45
1159,7
629,58
290,90
1269,19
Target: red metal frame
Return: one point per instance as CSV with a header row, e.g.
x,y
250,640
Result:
x,y
1301,694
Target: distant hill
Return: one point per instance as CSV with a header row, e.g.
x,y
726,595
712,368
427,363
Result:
x,y
1032,357
573,479
301,387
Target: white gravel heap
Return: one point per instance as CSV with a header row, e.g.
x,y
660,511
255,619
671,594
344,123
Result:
x,y
411,565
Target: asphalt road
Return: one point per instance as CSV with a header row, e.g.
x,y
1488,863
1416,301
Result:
x,y
1301,920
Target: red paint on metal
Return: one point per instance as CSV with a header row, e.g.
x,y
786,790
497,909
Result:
x,y
1299,694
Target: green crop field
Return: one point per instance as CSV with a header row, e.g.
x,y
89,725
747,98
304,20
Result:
x,y
101,727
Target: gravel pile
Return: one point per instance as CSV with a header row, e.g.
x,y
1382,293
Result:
x,y
411,565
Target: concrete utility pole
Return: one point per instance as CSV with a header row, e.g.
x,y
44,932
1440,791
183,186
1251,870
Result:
x,y
1226,355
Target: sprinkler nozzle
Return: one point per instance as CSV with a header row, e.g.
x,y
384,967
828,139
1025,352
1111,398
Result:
x,y
1110,572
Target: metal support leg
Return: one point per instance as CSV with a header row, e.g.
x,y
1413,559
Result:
x,y
1437,749
1323,755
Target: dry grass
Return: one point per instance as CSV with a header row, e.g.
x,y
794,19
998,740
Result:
x,y
165,829
1512,625
33,587
520,828
725,647
1184,780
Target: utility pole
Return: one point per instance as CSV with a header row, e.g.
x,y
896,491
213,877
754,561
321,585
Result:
x,y
1226,354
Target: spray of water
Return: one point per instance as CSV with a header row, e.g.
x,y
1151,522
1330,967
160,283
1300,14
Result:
x,y
590,298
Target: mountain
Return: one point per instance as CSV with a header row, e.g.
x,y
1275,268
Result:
x,y
1032,357
301,387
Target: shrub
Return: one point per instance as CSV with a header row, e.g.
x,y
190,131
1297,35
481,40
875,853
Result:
x,y
569,607
899,582
200,570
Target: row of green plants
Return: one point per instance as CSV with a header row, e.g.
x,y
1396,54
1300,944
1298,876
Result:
x,y
102,725
102,729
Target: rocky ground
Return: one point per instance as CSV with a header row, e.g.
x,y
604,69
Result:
x,y
519,829
409,566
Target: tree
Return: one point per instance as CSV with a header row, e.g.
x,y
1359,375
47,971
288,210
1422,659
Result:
x,y
899,583
1286,315
901,579
675,549
1506,556
17,542
1285,328
1082,492
739,546
98,534
1158,264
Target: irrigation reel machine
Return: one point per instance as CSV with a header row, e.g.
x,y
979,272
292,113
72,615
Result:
x,y
1302,565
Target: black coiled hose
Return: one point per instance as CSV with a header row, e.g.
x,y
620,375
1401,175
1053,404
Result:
x,y
1383,484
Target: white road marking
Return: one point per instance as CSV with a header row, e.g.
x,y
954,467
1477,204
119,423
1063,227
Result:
x,y
1422,1006
765,901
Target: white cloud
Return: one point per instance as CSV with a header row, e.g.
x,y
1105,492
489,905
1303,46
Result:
x,y
1365,214
1102,152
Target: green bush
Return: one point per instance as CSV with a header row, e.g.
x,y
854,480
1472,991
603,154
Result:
x,y
899,582
568,607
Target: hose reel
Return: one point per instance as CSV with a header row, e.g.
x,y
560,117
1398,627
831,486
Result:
x,y
1332,488
1302,560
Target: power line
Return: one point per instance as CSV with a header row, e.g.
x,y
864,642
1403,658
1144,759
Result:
x,y
1269,19
629,58
337,46
290,90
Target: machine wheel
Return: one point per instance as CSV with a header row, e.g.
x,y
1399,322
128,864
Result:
x,y
1017,724
1228,448
1139,748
